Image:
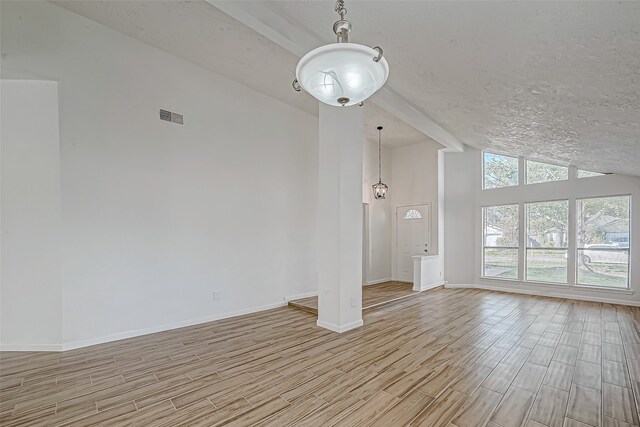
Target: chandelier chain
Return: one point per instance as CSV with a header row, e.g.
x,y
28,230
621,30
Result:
x,y
379,155
340,8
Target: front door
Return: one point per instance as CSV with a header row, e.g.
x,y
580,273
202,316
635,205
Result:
x,y
413,237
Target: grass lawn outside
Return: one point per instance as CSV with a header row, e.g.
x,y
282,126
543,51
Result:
x,y
550,266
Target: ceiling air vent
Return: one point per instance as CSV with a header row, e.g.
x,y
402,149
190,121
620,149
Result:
x,y
169,116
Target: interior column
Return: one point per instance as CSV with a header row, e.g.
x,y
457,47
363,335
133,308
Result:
x,y
340,217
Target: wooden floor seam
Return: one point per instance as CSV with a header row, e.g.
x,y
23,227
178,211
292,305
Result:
x,y
373,296
448,357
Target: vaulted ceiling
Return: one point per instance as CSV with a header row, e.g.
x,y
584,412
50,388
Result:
x,y
555,81
202,34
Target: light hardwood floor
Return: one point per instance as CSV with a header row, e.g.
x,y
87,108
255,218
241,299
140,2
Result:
x,y
372,296
444,358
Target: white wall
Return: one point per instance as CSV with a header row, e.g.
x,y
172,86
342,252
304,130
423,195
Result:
x,y
157,216
30,295
378,262
464,199
459,216
414,174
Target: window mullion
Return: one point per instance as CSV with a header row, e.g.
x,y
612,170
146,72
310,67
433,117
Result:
x,y
522,252
572,242
573,173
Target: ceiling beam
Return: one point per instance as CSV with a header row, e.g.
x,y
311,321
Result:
x,y
267,21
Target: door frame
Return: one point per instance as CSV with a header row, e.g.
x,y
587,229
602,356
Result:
x,y
394,237
365,242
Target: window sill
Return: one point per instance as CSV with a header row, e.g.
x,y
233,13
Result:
x,y
500,279
555,285
605,289
560,285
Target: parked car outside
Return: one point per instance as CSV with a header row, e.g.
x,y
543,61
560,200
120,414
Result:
x,y
605,253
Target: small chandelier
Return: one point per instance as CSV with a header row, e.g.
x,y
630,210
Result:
x,y
342,73
380,189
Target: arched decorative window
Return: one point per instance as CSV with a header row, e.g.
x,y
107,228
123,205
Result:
x,y
412,214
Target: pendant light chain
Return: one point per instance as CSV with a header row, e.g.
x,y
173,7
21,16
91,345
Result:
x,y
340,8
379,155
380,189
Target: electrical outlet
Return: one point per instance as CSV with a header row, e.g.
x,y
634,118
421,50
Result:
x,y
216,296
353,302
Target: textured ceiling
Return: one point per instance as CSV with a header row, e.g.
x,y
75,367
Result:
x,y
556,81
200,33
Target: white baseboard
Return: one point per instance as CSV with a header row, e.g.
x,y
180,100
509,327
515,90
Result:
x,y
136,333
545,293
377,282
31,347
459,286
168,327
431,286
139,332
340,329
301,296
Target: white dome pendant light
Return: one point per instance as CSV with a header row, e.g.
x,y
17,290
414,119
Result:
x,y
342,73
380,189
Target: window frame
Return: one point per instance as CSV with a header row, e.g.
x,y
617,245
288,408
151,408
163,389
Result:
x,y
526,246
598,174
526,169
576,248
484,247
519,171
569,190
419,216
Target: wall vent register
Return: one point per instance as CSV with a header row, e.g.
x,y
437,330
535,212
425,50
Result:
x,y
169,116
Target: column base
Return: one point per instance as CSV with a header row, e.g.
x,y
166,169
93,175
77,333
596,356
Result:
x,y
342,328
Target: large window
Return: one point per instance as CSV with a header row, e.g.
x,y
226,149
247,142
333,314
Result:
x,y
547,241
499,171
531,236
544,172
602,235
500,247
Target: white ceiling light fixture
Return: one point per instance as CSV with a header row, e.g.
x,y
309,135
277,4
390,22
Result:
x,y
380,189
342,73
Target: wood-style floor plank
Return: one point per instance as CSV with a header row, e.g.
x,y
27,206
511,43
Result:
x,y
450,358
372,296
